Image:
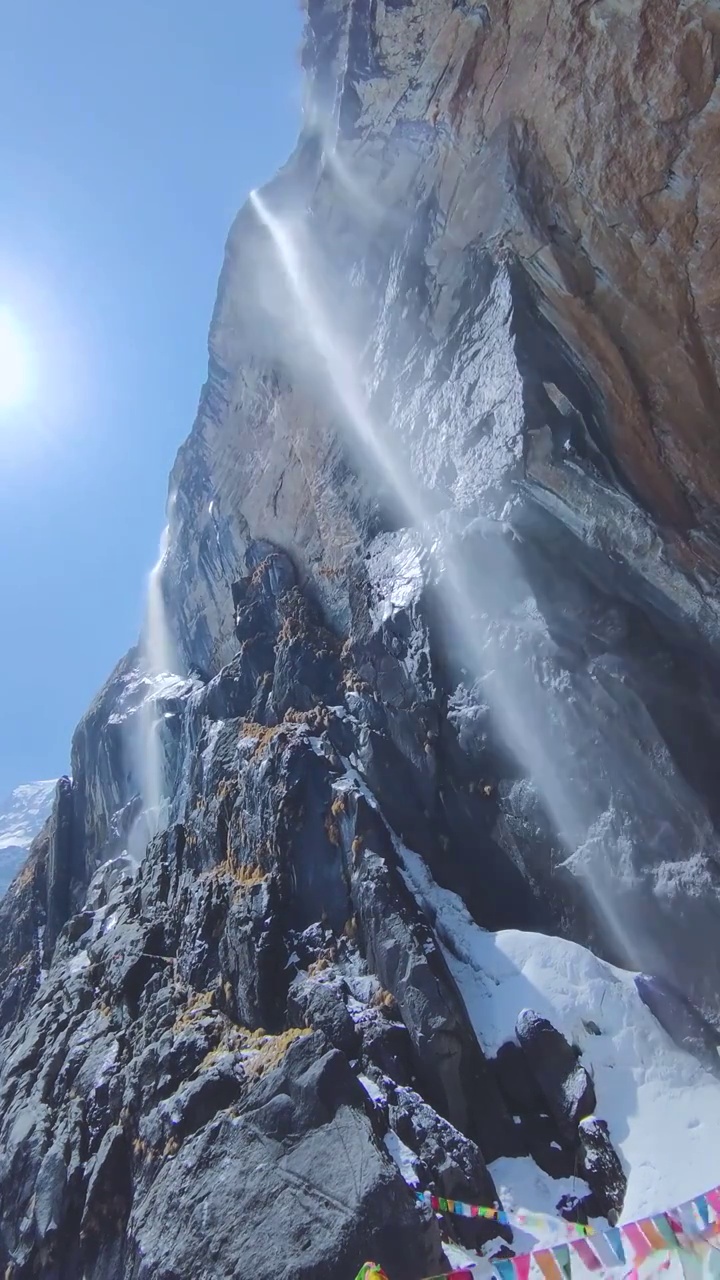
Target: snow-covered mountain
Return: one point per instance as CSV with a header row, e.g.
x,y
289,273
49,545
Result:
x,y
22,815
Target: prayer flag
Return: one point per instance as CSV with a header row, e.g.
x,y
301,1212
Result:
x,y
586,1254
713,1198
605,1251
548,1264
562,1257
662,1225
654,1237
702,1209
504,1268
521,1266
613,1236
640,1248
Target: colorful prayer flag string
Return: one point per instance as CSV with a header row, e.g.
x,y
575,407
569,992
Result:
x,y
687,1232
523,1218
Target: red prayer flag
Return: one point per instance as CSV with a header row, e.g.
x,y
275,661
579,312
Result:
x,y
639,1244
521,1266
713,1198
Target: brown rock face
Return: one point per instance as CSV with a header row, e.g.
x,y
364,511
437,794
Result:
x,y
619,130
577,141
585,137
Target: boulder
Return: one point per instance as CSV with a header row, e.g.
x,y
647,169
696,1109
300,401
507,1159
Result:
x,y
316,1196
563,1082
600,1166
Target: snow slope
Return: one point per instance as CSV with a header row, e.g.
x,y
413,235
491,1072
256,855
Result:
x,y
22,816
662,1108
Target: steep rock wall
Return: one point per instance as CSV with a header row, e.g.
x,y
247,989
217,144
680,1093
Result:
x,y
579,139
526,322
441,575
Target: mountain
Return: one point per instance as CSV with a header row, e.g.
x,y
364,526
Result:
x,y
22,816
406,873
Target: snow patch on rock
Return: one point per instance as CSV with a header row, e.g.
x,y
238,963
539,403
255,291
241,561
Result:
x,y
661,1106
404,1158
396,568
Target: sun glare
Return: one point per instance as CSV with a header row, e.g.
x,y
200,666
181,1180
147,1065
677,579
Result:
x,y
15,363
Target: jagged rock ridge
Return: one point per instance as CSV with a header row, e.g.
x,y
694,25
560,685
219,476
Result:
x,y
525,298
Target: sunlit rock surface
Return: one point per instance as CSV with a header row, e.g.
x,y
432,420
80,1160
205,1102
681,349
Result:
x,y
441,579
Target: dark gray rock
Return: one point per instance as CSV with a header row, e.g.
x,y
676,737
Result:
x,y
253,956
401,950
109,1188
50,1192
564,1083
681,1019
448,1164
319,1003
300,1160
540,1134
388,1047
22,918
307,667
601,1167
60,866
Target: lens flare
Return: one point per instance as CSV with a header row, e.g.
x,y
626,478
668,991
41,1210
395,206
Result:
x,y
15,363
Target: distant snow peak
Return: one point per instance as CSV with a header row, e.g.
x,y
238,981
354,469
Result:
x,y
22,815
24,811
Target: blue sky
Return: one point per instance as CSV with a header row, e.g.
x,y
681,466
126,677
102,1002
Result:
x,y
131,134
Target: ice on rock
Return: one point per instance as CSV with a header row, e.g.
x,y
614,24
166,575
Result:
x,y
662,1108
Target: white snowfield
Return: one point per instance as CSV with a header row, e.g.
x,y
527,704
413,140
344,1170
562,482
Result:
x,y
662,1107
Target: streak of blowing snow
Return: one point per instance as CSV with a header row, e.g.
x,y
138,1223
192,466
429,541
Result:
x,y
159,661
522,708
661,1107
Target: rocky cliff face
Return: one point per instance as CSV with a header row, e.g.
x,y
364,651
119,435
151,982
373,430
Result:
x,y
442,581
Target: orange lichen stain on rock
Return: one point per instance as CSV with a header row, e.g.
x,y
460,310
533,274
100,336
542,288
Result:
x,y
263,732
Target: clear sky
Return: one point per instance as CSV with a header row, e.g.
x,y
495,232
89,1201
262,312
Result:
x,y
130,133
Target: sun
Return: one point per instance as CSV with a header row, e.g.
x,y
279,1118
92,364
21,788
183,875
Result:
x,y
15,363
